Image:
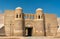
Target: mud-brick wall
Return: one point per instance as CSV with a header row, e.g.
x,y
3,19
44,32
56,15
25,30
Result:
x,y
51,24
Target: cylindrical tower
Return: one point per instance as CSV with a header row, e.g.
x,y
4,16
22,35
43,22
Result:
x,y
39,13
39,20
18,27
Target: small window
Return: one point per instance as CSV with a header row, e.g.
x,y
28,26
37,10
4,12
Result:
x,y
20,16
17,16
39,17
57,26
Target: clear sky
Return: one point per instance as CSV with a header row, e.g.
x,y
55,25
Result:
x,y
29,6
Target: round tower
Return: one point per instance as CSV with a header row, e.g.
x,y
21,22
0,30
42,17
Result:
x,y
39,20
18,31
39,13
18,13
39,10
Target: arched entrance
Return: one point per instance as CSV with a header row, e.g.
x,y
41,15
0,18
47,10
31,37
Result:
x,y
28,31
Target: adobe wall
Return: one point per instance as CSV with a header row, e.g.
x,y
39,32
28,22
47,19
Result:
x,y
51,24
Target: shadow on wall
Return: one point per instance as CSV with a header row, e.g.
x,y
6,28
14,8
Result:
x,y
2,31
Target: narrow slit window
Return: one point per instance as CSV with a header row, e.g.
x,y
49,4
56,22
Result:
x,y
17,16
39,17
20,16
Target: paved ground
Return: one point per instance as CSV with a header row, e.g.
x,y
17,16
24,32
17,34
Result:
x,y
15,37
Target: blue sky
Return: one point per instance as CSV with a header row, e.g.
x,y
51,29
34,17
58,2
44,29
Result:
x,y
30,6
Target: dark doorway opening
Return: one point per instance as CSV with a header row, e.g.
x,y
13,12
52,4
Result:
x,y
28,31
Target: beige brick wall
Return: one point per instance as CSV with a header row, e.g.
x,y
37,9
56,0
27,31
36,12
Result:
x,y
51,24
14,26
8,22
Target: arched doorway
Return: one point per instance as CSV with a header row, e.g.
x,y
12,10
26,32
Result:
x,y
28,31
